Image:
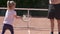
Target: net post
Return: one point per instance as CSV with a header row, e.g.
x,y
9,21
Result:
x,y
28,22
28,13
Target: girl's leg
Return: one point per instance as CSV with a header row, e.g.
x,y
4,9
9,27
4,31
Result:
x,y
11,29
4,29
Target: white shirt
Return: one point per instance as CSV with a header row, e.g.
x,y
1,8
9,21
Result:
x,y
9,17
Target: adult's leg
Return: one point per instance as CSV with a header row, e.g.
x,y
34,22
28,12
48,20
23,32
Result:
x,y
58,26
52,25
51,15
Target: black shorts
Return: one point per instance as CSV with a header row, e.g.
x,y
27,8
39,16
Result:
x,y
54,11
7,26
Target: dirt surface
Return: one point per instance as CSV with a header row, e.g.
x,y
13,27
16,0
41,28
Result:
x,y
36,26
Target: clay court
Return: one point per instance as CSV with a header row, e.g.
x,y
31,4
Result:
x,y
38,25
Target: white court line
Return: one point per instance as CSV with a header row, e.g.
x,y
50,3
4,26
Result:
x,y
29,31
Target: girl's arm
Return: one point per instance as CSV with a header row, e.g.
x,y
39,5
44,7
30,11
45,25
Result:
x,y
17,17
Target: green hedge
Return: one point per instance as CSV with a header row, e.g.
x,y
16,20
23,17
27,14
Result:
x,y
27,4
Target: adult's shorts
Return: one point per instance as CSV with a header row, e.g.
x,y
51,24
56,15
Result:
x,y
54,11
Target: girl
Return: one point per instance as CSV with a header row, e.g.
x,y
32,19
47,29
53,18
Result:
x,y
9,17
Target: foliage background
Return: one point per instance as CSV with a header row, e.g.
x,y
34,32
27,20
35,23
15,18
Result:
x,y
27,4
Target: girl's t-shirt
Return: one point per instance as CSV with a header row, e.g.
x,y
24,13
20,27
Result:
x,y
9,17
